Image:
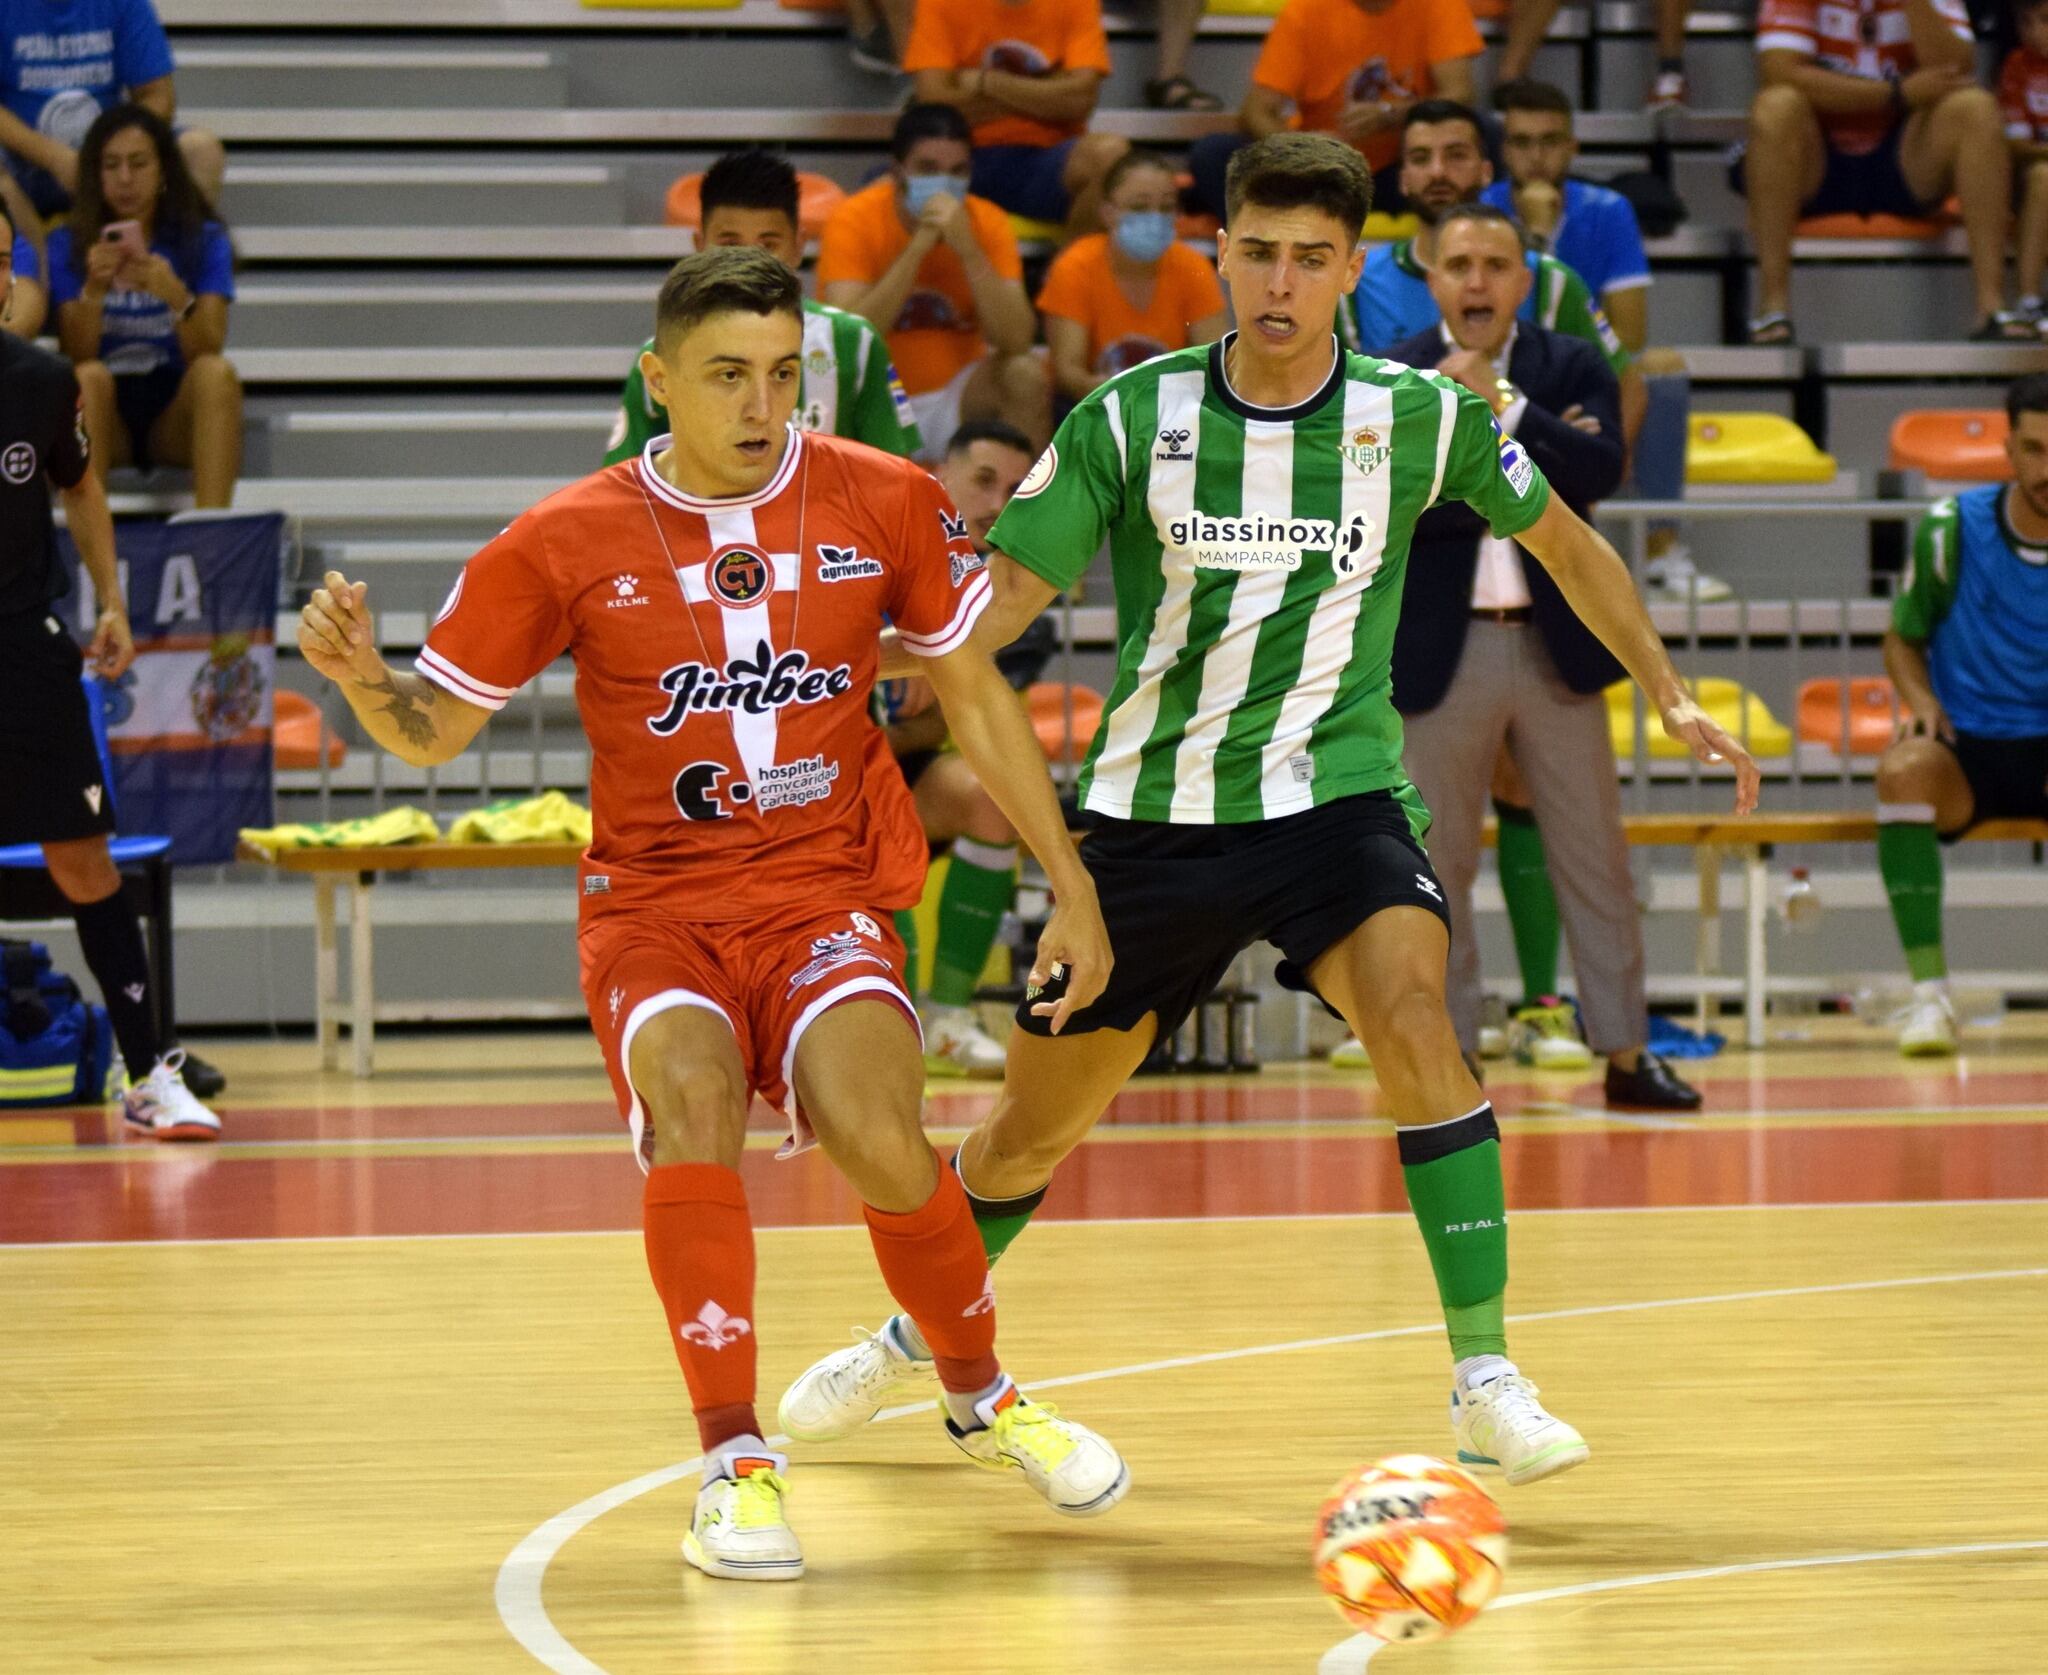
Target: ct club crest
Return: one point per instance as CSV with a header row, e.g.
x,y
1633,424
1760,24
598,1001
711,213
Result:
x,y
740,575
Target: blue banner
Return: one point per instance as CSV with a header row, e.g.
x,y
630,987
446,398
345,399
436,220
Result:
x,y
189,726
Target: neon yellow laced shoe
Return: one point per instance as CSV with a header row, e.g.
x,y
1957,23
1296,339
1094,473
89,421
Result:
x,y
740,1530
1077,1472
1545,1036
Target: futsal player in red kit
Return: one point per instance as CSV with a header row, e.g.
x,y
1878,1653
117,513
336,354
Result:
x,y
722,597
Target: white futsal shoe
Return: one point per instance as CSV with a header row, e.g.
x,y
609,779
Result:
x,y
1077,1471
163,1108
740,1530
1350,1054
1930,1029
835,1397
1501,1427
955,1044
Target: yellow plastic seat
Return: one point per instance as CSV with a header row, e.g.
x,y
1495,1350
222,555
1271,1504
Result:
x,y
1382,228
1245,8
1029,231
1753,448
1724,700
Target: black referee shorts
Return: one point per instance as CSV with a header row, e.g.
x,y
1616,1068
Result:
x,y
1182,902
2008,778
51,786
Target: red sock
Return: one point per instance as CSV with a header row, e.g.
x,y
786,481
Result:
x,y
935,1268
700,1250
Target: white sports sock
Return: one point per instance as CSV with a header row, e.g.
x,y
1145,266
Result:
x,y
1476,1370
739,1448
906,1339
974,1410
1931,988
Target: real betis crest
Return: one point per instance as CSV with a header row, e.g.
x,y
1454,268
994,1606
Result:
x,y
1366,451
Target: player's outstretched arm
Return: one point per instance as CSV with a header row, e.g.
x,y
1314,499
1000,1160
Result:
x,y
1596,584
410,717
991,732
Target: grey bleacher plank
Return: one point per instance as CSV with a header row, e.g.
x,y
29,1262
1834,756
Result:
x,y
346,421
1632,17
463,244
362,58
1703,127
1949,244
598,364
1692,243
1716,363
1846,485
394,499
384,15
1932,360
242,125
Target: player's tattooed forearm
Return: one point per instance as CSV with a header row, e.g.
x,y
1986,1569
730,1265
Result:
x,y
407,708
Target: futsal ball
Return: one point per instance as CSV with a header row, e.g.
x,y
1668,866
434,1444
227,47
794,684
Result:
x,y
1409,1548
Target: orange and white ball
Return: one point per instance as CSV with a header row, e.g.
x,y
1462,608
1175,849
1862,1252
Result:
x,y
1409,1548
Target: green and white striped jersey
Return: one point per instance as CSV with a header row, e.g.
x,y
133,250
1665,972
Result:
x,y
1258,555
850,389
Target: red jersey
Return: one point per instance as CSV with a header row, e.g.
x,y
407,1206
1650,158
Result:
x,y
1867,38
725,651
2023,96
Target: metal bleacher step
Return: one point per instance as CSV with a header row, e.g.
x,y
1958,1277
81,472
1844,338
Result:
x,y
316,72
565,243
515,314
514,190
528,441
597,364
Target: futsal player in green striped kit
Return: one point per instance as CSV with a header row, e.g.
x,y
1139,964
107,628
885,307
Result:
x,y
1259,496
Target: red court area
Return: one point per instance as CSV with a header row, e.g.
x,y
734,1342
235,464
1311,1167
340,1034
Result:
x,y
1246,1147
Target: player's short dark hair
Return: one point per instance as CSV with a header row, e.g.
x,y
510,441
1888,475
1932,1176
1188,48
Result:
x,y
927,122
1442,110
2028,394
1487,214
1139,158
1529,94
1300,171
989,430
750,179
730,279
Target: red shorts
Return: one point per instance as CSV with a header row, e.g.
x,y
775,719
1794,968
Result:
x,y
770,979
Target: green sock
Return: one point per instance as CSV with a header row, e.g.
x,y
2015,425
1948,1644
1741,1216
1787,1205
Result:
x,y
981,882
1909,860
1532,903
1000,1220
906,931
1454,1187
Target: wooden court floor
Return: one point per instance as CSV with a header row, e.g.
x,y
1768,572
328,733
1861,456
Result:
x,y
380,1385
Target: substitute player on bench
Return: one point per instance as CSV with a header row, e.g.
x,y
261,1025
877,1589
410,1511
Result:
x,y
722,597
1259,496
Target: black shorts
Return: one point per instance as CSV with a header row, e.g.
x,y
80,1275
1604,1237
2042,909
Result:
x,y
1865,183
2008,778
141,398
51,786
914,764
1182,902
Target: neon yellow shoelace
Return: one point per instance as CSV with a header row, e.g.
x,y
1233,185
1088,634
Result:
x,y
1027,1428
759,1502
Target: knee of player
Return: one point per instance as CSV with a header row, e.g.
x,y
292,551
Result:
x,y
214,378
1776,112
695,1105
1025,377
1909,771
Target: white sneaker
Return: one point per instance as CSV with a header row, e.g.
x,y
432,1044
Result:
x,y
164,1108
1545,1036
1493,1041
834,1397
740,1530
1673,576
1076,1471
1501,1427
1930,1029
955,1044
1350,1054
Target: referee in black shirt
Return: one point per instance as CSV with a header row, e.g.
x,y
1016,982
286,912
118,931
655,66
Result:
x,y
52,788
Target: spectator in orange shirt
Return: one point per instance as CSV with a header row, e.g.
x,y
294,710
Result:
x,y
1119,297
936,271
1350,68
1025,74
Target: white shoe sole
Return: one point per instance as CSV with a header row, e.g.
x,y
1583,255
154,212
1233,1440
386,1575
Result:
x,y
1927,1049
738,1570
1085,1509
1548,1464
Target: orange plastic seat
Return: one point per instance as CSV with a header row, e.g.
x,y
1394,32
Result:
x,y
1882,226
1967,443
817,197
1047,702
300,733
1873,714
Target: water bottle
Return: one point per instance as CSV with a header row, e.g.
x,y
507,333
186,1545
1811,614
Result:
x,y
1799,906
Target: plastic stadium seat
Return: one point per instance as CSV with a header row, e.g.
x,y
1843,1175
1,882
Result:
x,y
663,5
1964,443
1753,448
1871,226
1724,700
1382,228
1029,231
1047,702
817,197
1245,8
1873,714
300,732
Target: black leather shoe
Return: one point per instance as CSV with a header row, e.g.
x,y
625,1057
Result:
x,y
205,1081
1651,1086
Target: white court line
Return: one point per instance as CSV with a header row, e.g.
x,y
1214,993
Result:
x,y
1350,1656
1038,1227
518,1590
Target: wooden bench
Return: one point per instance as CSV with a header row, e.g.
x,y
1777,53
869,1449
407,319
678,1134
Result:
x,y
1712,838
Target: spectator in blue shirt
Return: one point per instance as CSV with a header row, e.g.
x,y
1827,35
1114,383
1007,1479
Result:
x,y
62,62
23,300
141,276
1594,232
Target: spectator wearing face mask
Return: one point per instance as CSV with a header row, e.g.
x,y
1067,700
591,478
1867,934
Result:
x,y
937,272
1121,296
